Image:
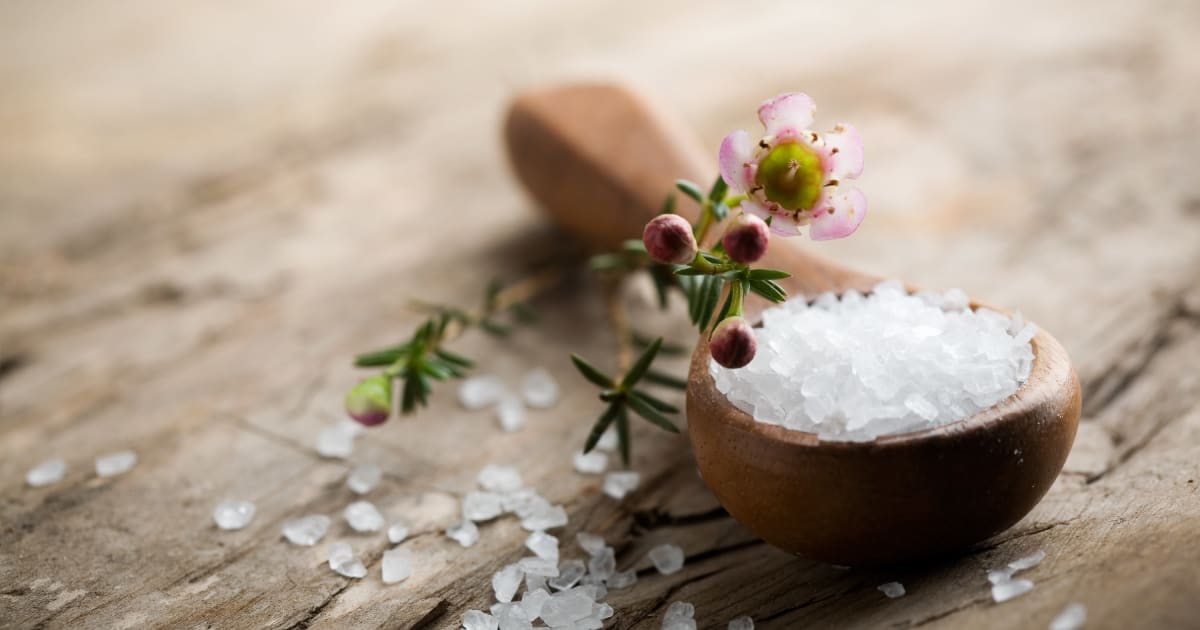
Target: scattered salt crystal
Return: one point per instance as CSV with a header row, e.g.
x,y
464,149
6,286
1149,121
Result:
x,y
534,582
306,531
679,616
892,589
397,532
464,533
542,515
479,620
335,441
478,392
114,464
342,560
617,484
506,581
397,565
608,440
590,543
533,601
499,479
510,413
481,506
602,611
593,587
603,564
233,514
543,545
592,463
539,566
1071,618
363,516
364,478
511,617
622,579
998,576
539,389
46,473
888,363
1027,562
741,623
667,559
1005,591
569,574
567,607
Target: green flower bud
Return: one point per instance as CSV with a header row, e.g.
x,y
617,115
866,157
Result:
x,y
370,402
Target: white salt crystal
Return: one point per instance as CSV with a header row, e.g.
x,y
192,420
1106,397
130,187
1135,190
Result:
x,y
335,441
622,579
567,607
997,576
602,611
233,514
479,620
478,392
499,479
883,364
681,609
46,473
506,581
342,560
306,531
590,543
1027,562
593,587
1071,618
363,516
533,601
397,532
542,515
511,414
592,463
679,623
619,483
481,506
679,616
569,574
539,566
464,533
608,440
114,464
364,478
667,559
1005,591
603,564
543,545
534,582
511,616
741,623
539,389
397,565
892,589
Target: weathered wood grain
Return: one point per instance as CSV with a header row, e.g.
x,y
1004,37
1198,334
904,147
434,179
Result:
x,y
205,210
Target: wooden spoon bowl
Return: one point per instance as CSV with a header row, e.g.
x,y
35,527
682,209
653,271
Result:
x,y
600,159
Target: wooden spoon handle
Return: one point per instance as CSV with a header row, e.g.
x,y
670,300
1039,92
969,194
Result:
x,y
600,160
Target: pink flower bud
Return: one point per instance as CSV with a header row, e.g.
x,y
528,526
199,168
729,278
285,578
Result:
x,y
733,344
370,402
669,239
746,239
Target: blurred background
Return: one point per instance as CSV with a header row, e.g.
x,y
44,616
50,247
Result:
x,y
206,208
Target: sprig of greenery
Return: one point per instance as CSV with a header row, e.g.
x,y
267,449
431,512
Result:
x,y
623,396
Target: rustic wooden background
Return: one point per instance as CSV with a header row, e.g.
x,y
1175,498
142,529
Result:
x,y
206,208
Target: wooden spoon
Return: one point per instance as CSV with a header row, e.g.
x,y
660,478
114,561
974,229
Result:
x,y
599,159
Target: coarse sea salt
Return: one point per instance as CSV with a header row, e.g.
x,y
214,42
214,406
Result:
x,y
741,623
306,531
233,514
397,532
619,483
463,532
1071,618
511,414
364,478
539,389
46,473
478,392
342,560
892,589
363,516
1010,589
667,558
679,616
592,463
859,367
114,464
397,565
479,620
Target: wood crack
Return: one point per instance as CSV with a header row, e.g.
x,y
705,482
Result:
x,y
1108,387
315,611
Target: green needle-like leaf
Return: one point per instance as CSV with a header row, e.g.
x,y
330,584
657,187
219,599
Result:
x,y
711,297
456,359
690,189
639,367
591,373
718,190
668,204
768,274
655,402
768,289
623,434
644,410
601,425
664,379
382,357
720,210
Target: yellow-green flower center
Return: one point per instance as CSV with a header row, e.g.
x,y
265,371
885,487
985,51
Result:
x,y
791,176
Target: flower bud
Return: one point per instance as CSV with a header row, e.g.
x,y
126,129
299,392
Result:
x,y
746,239
370,402
733,344
669,239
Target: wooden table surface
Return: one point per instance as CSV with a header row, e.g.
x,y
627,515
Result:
x,y
206,209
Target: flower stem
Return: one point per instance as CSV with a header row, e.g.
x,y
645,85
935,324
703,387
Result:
x,y
619,318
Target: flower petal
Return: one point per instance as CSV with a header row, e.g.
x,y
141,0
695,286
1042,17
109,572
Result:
x,y
736,152
840,212
845,152
780,223
789,113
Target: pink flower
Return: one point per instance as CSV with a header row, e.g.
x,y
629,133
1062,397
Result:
x,y
795,175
